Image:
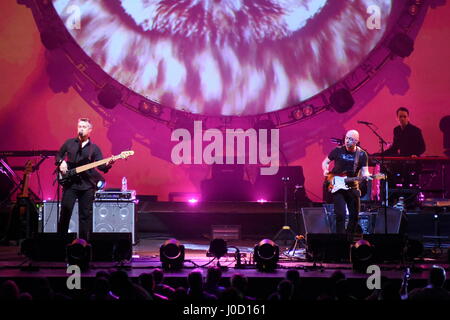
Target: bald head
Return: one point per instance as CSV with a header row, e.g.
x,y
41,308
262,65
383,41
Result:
x,y
351,139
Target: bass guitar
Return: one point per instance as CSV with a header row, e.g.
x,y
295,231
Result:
x,y
336,182
65,179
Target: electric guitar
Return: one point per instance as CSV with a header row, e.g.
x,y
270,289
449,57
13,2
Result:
x,y
65,179
336,182
16,219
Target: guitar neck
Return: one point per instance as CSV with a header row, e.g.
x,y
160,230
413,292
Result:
x,y
352,179
376,176
93,165
24,193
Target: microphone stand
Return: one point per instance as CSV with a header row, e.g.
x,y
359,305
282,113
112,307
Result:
x,y
286,227
58,191
386,191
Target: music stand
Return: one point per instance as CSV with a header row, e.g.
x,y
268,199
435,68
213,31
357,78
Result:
x,y
286,228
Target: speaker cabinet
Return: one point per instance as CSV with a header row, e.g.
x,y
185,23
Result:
x,y
315,220
388,247
115,216
333,247
394,217
111,246
48,217
47,246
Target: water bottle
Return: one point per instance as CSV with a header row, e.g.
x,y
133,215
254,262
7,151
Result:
x,y
124,184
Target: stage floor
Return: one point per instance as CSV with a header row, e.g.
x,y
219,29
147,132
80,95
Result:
x,y
146,257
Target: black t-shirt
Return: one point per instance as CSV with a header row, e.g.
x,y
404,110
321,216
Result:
x,y
407,142
77,156
344,161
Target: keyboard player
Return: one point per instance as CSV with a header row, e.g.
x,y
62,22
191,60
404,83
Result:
x,y
408,139
408,142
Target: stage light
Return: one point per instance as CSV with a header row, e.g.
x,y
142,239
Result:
x,y
171,254
193,201
109,96
413,9
402,45
149,108
79,253
341,100
218,248
361,255
266,255
297,114
261,200
308,111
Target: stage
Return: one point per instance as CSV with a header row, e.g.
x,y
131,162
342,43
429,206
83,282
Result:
x,y
146,258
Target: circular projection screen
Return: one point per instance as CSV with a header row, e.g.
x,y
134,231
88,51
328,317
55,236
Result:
x,y
226,57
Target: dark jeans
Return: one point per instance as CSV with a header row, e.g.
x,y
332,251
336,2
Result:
x,y
351,198
85,201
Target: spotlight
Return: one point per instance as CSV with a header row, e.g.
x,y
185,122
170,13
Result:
x,y
308,111
109,96
193,201
218,248
79,253
171,254
149,108
266,255
361,255
341,100
402,45
413,9
297,114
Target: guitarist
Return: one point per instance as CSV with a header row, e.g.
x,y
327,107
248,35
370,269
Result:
x,y
348,159
74,153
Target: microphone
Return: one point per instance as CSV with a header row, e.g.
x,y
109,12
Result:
x,y
80,134
365,122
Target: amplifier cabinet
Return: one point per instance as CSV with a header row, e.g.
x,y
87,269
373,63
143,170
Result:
x,y
114,216
48,217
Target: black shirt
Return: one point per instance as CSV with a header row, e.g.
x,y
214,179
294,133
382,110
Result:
x,y
344,162
76,156
407,142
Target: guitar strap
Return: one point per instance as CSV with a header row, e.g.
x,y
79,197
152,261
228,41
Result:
x,y
355,164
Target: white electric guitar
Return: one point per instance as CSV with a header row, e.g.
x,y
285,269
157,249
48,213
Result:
x,y
337,183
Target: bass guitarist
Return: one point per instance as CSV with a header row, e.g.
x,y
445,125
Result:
x,y
73,153
349,160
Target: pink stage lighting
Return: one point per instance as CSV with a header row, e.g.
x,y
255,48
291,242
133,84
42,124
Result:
x,y
261,200
193,201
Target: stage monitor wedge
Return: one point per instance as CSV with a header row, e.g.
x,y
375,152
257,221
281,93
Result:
x,y
315,220
394,218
